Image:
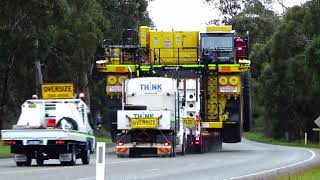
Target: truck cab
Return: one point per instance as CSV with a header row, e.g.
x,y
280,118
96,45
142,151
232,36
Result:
x,y
217,45
149,120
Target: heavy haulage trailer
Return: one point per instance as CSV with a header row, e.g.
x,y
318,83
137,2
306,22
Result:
x,y
212,74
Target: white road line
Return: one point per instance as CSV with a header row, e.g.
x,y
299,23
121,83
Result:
x,y
34,170
276,169
156,169
117,162
93,177
49,169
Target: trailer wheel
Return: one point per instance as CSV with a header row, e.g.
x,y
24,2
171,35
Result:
x,y
85,157
40,161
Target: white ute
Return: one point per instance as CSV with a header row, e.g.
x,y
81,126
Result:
x,y
51,129
149,120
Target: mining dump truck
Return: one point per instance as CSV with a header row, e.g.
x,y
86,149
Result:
x,y
212,71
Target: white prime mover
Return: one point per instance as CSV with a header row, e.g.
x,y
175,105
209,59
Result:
x,y
51,129
149,120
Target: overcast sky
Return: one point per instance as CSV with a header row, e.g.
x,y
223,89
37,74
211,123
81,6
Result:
x,y
188,14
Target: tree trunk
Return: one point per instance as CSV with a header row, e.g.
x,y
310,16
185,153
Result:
x,y
86,88
4,96
39,79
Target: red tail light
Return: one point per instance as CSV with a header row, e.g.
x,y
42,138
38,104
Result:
x,y
166,143
198,140
11,142
60,142
51,122
120,143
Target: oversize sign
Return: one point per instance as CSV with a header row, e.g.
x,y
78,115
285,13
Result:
x,y
144,123
57,91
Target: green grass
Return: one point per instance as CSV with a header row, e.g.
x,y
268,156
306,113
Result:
x,y
103,139
310,174
4,149
260,137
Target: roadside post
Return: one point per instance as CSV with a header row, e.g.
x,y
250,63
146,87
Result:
x,y
305,138
100,161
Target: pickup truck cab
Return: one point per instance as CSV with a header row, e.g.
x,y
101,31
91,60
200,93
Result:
x,y
51,129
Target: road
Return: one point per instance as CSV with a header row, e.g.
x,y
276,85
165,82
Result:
x,y
246,160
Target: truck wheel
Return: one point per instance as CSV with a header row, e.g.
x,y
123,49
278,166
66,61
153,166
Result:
x,y
20,163
173,149
86,157
28,162
73,160
184,146
40,161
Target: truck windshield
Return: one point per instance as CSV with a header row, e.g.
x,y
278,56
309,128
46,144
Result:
x,y
215,42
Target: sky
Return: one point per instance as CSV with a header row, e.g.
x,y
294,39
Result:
x,y
188,14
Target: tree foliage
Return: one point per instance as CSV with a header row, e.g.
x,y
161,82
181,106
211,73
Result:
x,y
285,67
63,35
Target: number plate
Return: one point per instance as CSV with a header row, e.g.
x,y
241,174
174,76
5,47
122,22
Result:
x,y
34,142
189,122
228,89
144,122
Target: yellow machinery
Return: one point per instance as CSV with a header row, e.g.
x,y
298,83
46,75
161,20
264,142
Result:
x,y
216,57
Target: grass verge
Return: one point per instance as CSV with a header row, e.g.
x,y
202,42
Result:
x,y
103,139
310,174
260,137
4,149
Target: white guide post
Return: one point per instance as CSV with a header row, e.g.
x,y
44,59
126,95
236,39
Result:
x,y
100,161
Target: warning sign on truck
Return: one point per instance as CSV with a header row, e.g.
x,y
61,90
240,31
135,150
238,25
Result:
x,y
57,91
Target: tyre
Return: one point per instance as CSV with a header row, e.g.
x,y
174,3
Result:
x,y
73,160
184,146
85,157
20,163
28,162
247,114
67,123
39,161
64,163
173,149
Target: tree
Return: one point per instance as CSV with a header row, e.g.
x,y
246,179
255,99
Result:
x,y
66,32
228,8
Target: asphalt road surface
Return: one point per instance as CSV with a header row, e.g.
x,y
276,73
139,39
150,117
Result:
x,y
246,160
